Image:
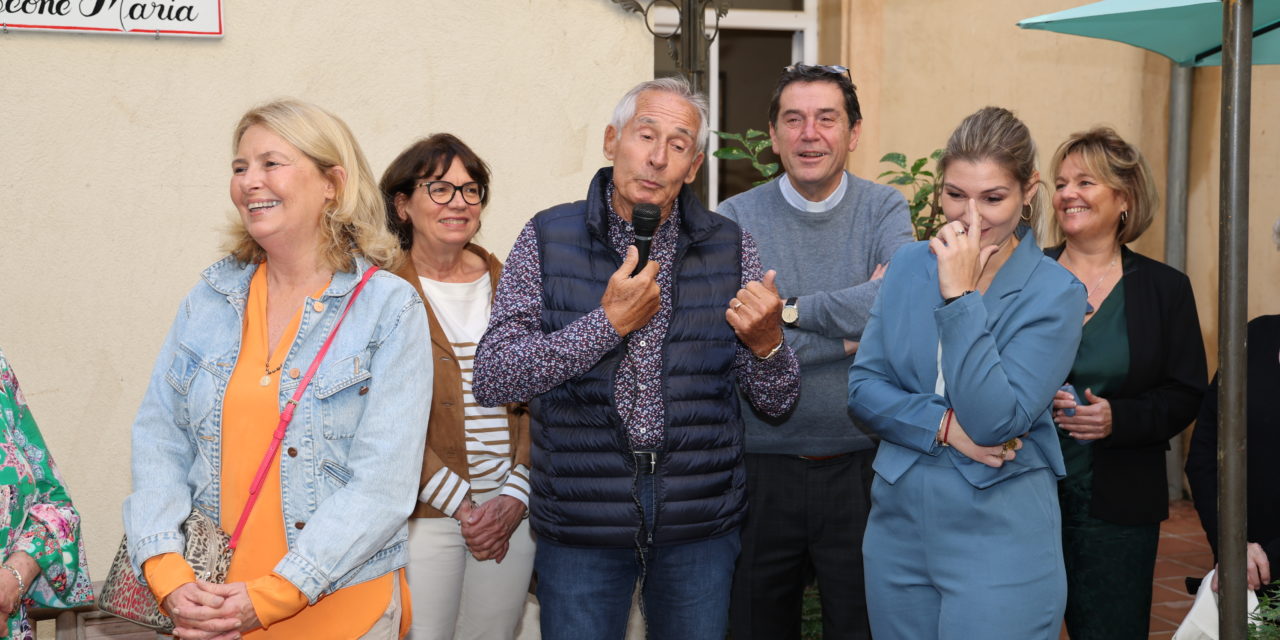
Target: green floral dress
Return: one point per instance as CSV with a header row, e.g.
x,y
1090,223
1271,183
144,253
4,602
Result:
x,y
36,515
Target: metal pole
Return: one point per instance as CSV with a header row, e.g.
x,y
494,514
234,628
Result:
x,y
1233,282
693,51
1175,229
693,63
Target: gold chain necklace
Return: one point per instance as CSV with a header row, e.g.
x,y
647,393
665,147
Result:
x,y
267,369
1089,291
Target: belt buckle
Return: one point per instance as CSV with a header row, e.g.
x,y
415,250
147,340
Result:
x,y
646,458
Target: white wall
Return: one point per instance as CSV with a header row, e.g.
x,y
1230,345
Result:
x,y
114,165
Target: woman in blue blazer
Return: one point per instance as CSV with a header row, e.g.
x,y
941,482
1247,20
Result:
x,y
971,335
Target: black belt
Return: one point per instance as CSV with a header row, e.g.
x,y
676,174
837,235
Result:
x,y
646,461
821,458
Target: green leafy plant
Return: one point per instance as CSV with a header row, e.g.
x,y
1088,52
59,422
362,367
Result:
x,y
925,218
1264,622
811,614
750,145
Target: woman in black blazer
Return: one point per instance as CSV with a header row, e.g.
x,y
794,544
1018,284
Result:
x,y
1140,374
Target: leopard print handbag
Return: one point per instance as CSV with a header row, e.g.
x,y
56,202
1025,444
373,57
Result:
x,y
208,551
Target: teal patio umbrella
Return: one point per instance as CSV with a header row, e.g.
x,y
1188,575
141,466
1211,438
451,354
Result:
x,y
1188,32
1192,33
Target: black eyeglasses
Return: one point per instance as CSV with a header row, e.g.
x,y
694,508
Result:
x,y
825,68
441,192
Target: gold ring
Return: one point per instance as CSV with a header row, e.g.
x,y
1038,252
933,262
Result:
x,y
1010,445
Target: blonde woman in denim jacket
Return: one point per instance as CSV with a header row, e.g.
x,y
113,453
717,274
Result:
x,y
321,552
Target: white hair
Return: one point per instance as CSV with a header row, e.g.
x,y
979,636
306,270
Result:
x,y
626,109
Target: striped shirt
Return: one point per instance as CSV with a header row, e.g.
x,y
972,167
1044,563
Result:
x,y
462,309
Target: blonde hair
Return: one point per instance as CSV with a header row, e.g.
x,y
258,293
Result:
x,y
995,134
1118,165
354,222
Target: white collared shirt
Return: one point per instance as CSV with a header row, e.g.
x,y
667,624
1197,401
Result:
x,y
798,201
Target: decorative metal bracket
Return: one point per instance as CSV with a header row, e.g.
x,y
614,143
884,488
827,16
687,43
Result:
x,y
689,54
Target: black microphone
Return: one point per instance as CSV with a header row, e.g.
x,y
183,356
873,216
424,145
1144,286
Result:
x,y
645,218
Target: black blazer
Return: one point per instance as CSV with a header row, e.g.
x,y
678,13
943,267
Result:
x,y
1263,433
1159,398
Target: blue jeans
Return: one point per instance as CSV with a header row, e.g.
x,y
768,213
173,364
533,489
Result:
x,y
585,592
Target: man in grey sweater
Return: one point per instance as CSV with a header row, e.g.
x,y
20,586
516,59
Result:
x,y
829,234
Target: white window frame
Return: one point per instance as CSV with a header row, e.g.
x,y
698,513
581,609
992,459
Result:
x,y
804,48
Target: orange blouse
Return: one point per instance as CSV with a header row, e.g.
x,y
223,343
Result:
x,y
249,417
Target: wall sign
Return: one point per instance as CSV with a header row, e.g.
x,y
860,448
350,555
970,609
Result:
x,y
184,18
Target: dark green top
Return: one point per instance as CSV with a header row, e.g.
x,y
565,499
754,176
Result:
x,y
1102,362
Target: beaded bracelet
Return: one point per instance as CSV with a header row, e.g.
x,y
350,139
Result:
x,y
22,586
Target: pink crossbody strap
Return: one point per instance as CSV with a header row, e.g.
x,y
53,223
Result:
x,y
287,414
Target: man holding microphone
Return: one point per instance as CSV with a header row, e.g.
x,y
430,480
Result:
x,y
633,381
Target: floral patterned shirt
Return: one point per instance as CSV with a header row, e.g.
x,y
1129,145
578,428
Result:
x,y
524,362
36,515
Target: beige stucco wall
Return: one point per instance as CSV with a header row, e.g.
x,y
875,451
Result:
x,y
1203,211
937,62
922,66
114,165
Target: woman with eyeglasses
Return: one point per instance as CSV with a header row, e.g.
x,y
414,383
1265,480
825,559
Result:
x,y
474,486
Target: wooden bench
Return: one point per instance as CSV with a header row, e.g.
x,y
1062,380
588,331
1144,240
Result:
x,y
86,622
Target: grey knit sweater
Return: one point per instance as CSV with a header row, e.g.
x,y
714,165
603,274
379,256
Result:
x,y
824,259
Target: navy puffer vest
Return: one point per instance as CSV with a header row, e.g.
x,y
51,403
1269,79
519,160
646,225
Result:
x,y
583,473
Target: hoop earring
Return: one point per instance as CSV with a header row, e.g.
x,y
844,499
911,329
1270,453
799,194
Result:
x,y
1026,213
1124,217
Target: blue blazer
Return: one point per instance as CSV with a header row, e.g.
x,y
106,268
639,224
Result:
x,y
1004,354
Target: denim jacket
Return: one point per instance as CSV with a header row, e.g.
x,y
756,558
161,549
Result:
x,y
349,462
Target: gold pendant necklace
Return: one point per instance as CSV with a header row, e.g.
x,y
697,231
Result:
x,y
266,376
267,370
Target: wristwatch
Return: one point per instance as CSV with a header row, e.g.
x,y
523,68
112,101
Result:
x,y
790,314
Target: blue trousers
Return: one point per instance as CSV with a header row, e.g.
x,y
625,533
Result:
x,y
585,592
948,561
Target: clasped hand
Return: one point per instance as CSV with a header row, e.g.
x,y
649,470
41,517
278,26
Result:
x,y
211,611
961,256
1091,422
487,528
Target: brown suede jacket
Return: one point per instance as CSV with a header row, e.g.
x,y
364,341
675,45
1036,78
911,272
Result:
x,y
446,438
